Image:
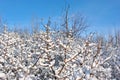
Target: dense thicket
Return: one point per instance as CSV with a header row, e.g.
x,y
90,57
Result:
x,y
53,55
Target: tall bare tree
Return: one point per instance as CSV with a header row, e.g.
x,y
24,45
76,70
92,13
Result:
x,y
75,25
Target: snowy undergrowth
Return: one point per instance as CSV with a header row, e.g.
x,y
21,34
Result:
x,y
52,56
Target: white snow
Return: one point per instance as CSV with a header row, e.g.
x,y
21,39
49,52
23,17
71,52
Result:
x,y
76,58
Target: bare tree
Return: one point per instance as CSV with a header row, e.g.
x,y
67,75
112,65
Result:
x,y
79,25
117,37
35,25
3,26
75,25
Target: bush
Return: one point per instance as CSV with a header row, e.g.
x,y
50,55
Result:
x,y
49,55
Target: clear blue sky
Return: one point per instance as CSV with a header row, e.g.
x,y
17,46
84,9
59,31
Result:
x,y
102,15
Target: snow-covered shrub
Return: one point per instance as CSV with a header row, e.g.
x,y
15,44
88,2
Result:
x,y
49,55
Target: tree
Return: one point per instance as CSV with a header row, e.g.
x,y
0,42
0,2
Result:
x,y
75,25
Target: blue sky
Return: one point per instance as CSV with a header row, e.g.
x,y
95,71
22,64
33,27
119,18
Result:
x,y
102,15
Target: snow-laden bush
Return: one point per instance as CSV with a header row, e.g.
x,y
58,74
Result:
x,y
52,56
